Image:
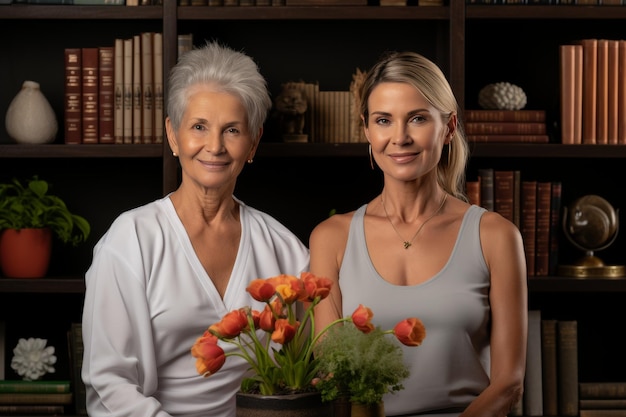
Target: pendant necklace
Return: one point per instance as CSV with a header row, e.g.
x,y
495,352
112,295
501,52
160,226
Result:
x,y
408,243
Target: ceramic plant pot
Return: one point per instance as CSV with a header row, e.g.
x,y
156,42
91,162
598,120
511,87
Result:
x,y
293,405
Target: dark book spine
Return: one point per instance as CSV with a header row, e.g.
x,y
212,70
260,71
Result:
x,y
73,96
503,193
473,115
529,223
555,226
505,128
567,343
90,95
487,199
542,257
106,94
549,367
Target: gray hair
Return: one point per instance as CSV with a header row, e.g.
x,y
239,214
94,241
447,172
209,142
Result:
x,y
231,71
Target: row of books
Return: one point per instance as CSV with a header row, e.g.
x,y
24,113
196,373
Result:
x,y
217,3
551,385
593,92
48,397
114,94
331,116
92,2
533,206
506,126
602,399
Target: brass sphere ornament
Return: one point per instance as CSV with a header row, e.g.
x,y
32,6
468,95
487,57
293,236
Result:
x,y
591,224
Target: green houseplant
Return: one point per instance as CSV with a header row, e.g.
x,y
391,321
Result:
x,y
27,208
360,368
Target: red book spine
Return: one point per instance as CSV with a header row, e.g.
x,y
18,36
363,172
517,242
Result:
x,y
475,115
73,96
509,138
529,223
542,257
507,128
90,95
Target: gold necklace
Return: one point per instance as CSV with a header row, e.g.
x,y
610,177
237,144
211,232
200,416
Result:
x,y
408,243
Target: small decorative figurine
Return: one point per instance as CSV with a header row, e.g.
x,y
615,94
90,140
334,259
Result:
x,y
290,107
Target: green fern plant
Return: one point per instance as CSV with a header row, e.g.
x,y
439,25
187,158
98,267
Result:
x,y
358,366
30,206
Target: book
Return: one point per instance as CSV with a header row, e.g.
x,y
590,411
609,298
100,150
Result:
x,y
118,75
106,92
128,91
571,107
542,249
90,95
621,93
159,109
147,87
40,386
503,193
590,89
76,349
555,226
487,198
613,87
603,413
472,190
511,138
35,398
505,128
517,194
603,404
602,95
476,115
73,99
185,43
529,223
567,355
137,93
533,389
549,373
602,390
31,409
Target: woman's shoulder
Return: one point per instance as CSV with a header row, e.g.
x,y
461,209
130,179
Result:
x,y
335,226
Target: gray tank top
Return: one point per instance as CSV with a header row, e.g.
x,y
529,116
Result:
x,y
452,365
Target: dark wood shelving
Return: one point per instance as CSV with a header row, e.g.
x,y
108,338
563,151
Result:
x,y
47,12
81,151
313,13
69,285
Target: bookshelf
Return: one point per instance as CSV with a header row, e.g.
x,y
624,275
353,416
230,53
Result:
x,y
324,44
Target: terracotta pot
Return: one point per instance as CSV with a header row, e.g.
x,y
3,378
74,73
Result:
x,y
25,253
293,405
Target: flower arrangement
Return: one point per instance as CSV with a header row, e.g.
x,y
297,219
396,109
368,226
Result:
x,y
283,363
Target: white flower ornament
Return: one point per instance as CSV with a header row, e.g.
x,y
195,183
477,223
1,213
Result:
x,y
32,359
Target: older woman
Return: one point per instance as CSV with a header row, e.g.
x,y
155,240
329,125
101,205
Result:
x,y
165,271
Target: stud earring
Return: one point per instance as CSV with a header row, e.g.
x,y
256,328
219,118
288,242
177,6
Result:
x,y
174,154
250,160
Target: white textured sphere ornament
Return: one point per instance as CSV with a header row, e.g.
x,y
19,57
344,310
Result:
x,y
32,359
502,96
30,118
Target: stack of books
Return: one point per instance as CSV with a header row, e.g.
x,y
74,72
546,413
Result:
x,y
496,126
34,397
602,399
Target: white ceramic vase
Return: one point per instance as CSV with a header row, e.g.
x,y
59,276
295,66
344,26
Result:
x,y
30,118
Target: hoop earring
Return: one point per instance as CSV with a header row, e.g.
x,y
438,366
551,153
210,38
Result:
x,y
449,151
369,149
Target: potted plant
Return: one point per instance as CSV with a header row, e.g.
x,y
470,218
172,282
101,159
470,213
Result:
x,y
29,217
357,369
284,366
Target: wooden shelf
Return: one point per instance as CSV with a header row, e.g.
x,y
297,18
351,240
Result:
x,y
571,284
545,12
81,151
38,11
70,285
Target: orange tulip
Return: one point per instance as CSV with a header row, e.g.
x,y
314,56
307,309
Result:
x,y
315,286
231,324
210,357
410,332
267,319
261,290
284,331
362,319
